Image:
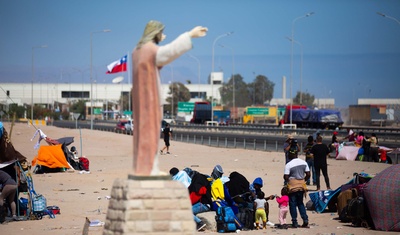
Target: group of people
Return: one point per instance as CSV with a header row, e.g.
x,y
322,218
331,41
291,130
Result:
x,y
369,149
316,157
209,192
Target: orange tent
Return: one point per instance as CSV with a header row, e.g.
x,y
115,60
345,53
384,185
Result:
x,y
51,156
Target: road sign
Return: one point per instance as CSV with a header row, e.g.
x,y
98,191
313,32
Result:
x,y
97,110
127,112
257,111
185,107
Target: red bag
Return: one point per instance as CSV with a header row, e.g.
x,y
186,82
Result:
x,y
84,163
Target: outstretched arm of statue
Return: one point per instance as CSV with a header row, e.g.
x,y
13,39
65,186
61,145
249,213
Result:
x,y
198,31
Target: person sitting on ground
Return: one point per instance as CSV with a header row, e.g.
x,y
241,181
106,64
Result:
x,y
260,207
8,191
255,187
199,192
180,176
283,203
239,189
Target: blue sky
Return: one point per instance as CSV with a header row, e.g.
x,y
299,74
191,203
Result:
x,y
349,51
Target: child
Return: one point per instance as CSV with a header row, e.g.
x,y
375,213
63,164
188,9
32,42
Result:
x,y
283,202
260,207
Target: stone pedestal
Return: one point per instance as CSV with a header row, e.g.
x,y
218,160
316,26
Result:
x,y
149,205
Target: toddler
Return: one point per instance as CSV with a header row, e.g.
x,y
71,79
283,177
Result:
x,y
260,205
283,202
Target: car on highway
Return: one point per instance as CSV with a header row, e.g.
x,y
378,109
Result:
x,y
124,126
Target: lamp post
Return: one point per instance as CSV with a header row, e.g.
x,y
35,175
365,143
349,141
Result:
x,y
212,72
33,72
198,72
81,71
91,73
233,77
291,60
301,67
172,91
389,17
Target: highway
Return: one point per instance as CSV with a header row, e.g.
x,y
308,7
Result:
x,y
257,137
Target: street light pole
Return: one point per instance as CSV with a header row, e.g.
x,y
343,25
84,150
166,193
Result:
x,y
291,60
389,17
301,67
198,72
91,73
33,72
212,72
233,78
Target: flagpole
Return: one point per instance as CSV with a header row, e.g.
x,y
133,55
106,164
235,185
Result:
x,y
129,80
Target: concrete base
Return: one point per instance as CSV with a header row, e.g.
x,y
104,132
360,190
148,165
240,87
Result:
x,y
149,205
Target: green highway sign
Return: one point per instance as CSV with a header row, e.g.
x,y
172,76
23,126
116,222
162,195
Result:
x,y
126,112
97,110
185,107
257,111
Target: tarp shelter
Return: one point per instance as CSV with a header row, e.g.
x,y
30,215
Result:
x,y
8,154
51,156
382,194
348,153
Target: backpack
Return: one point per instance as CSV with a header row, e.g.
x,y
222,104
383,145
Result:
x,y
342,202
84,163
226,220
246,217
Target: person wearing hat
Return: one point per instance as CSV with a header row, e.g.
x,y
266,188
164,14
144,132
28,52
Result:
x,y
290,145
255,189
147,60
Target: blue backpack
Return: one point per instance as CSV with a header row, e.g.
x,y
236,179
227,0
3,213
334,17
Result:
x,y
226,220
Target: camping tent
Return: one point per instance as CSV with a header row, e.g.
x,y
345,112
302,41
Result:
x,y
51,157
382,195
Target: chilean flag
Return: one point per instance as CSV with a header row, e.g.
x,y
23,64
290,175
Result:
x,y
117,66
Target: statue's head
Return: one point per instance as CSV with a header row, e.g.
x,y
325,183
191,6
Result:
x,y
152,32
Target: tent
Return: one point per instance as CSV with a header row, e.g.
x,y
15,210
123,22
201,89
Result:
x,y
52,157
382,195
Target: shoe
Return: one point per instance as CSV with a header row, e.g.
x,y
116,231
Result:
x,y
200,226
295,225
161,152
269,223
305,224
16,218
285,226
168,153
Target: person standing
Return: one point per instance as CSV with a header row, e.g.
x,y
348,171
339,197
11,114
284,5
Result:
x,y
320,152
260,207
8,191
147,60
296,174
254,189
167,132
283,202
310,159
374,148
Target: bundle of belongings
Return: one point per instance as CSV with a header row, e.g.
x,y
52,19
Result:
x,y
56,157
365,201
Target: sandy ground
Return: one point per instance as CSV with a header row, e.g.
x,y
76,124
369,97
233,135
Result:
x,y
84,195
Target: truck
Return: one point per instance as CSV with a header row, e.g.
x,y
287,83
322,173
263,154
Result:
x,y
201,112
304,117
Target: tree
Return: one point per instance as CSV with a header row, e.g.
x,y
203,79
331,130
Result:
x,y
242,98
79,107
261,90
306,98
178,93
